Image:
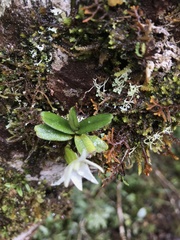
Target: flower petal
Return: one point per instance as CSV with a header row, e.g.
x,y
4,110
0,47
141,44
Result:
x,y
93,164
77,180
67,174
85,172
83,156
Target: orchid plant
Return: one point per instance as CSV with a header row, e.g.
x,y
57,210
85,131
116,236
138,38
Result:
x,y
77,169
57,128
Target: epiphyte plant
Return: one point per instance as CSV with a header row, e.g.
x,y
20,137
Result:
x,y
57,128
78,168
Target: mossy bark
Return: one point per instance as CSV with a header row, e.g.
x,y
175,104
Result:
x,y
122,59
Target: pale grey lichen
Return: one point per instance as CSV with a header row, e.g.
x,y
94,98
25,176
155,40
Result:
x,y
167,50
132,93
127,104
100,88
121,77
133,90
155,141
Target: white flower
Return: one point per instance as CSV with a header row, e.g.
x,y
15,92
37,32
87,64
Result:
x,y
77,170
56,11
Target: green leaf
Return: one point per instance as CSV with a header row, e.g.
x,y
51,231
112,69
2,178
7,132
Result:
x,y
70,155
94,123
84,142
19,191
124,181
99,144
9,185
28,188
73,120
47,133
56,122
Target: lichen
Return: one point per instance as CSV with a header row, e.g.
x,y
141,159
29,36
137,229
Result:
x,y
116,59
143,95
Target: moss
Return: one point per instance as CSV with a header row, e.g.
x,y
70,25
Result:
x,y
123,39
23,202
123,49
129,40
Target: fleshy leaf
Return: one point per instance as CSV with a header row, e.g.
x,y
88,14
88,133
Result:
x,y
56,122
84,142
94,123
99,144
70,155
45,132
73,121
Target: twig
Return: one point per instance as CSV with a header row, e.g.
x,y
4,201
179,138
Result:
x,y
164,181
167,184
26,235
120,214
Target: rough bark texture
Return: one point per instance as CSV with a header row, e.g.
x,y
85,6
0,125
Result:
x,y
51,64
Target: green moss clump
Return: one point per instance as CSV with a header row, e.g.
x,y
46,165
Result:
x,y
24,202
133,82
141,87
